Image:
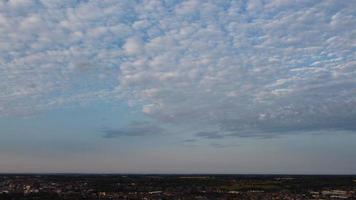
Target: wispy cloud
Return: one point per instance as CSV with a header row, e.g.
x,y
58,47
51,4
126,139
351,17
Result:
x,y
134,129
210,135
219,145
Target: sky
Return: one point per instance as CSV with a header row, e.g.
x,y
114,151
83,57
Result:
x,y
178,86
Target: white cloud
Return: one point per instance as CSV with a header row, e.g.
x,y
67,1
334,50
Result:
x,y
210,66
132,46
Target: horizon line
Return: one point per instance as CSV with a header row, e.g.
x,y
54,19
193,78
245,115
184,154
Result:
x,y
173,174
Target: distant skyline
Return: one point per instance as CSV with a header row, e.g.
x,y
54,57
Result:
x,y
178,86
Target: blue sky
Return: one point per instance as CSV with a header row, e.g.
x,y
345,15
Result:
x,y
178,86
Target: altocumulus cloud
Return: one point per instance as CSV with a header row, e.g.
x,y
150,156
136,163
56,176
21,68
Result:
x,y
235,68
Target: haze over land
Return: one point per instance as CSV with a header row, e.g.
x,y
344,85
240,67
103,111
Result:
x,y
178,86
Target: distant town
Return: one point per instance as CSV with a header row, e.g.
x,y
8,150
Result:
x,y
176,187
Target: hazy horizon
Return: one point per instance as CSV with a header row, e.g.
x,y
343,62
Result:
x,y
178,86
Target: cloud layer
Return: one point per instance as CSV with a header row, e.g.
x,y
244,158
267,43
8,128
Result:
x,y
215,68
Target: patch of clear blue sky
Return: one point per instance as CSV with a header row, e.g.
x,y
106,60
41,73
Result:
x,y
79,128
86,120
70,140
